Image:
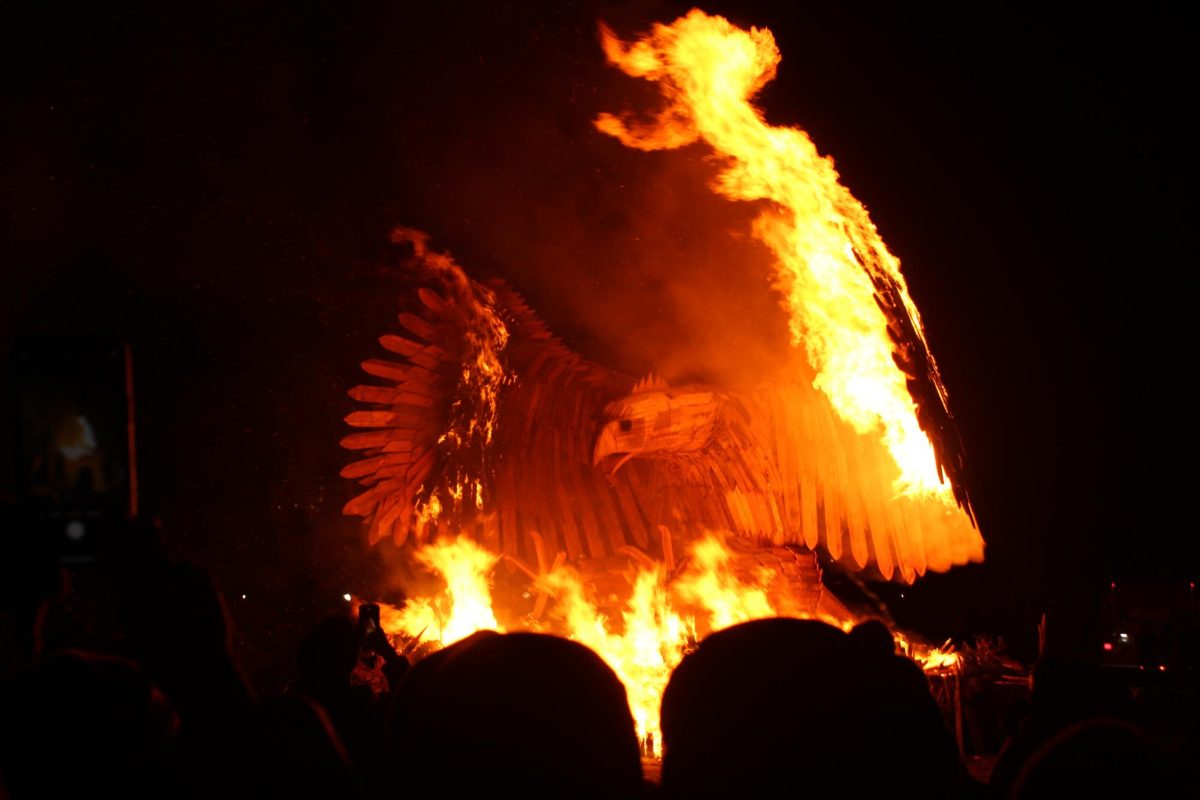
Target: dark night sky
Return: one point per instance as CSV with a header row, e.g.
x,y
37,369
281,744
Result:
x,y
217,181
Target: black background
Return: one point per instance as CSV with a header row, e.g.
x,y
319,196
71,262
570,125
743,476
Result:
x,y
216,182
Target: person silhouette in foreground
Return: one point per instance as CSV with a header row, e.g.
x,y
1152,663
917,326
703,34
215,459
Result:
x,y
1065,693
73,723
1098,758
327,658
82,725
514,715
299,754
178,629
30,580
795,708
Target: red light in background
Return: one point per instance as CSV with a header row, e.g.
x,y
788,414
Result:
x,y
1162,667
1113,585
1108,645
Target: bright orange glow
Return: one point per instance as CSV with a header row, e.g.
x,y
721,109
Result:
x,y
936,659
828,258
710,585
642,654
659,621
642,642
931,659
826,246
462,609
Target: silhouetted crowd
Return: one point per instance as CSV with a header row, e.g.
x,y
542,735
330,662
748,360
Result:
x,y
771,708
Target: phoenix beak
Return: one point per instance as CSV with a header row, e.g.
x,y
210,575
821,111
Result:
x,y
606,445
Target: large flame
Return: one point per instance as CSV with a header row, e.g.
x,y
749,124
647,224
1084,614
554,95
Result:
x,y
826,246
464,607
643,642
827,251
642,654
643,646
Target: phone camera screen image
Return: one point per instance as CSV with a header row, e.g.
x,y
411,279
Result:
x,y
368,618
76,474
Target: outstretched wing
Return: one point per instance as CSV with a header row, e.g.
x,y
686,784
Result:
x,y
839,487
912,355
545,483
783,467
482,423
407,409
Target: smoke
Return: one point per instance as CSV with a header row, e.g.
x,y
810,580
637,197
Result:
x,y
627,255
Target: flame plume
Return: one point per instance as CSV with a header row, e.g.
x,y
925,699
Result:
x,y
830,259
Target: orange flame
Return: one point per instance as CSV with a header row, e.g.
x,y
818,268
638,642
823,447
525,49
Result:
x,y
708,583
471,421
462,609
653,631
642,655
824,241
934,659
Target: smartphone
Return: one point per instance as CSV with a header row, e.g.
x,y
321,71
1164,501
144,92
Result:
x,y
77,466
368,618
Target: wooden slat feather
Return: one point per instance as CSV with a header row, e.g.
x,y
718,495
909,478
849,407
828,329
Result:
x,y
421,327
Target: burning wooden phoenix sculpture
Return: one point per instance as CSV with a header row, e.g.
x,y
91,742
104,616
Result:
x,y
491,426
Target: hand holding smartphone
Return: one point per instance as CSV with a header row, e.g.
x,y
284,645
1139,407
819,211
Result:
x,y
368,620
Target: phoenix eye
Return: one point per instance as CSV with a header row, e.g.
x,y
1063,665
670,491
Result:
x,y
625,425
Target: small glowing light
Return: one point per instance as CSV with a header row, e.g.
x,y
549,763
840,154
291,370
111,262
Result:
x,y
902,595
1162,667
1108,645
346,597
1113,585
1124,637
243,597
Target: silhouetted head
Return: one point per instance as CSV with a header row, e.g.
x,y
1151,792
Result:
x,y
515,715
171,607
328,654
874,637
83,725
1095,753
786,707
